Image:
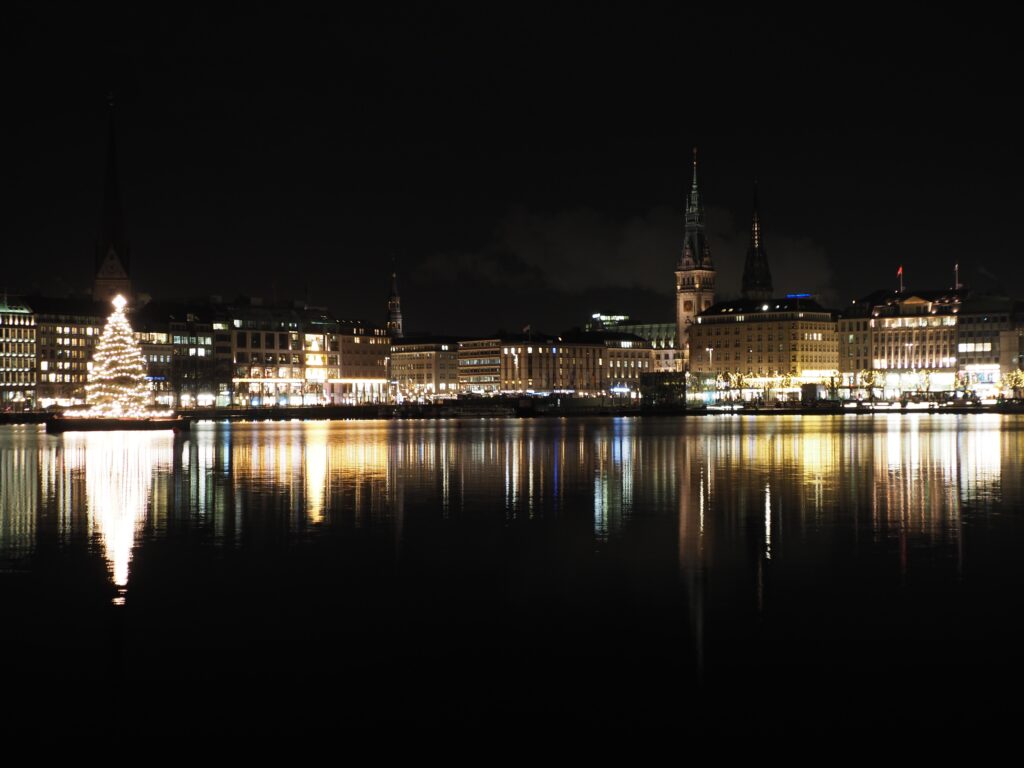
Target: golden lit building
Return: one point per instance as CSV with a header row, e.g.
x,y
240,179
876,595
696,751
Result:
x,y
762,341
900,341
363,355
67,330
426,367
587,363
300,355
480,366
929,341
17,355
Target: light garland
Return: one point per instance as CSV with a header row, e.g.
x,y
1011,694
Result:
x,y
117,386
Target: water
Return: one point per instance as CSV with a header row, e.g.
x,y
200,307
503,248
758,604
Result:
x,y
659,571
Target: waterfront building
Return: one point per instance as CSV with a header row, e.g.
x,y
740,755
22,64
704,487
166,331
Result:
x,y
667,355
581,363
936,341
425,368
774,345
186,368
760,347
990,342
67,330
364,355
17,355
695,272
480,366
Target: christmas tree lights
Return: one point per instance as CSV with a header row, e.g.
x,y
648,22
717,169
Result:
x,y
117,386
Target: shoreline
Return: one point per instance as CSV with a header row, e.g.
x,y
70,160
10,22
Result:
x,y
524,409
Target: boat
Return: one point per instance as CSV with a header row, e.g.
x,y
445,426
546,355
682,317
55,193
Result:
x,y
57,424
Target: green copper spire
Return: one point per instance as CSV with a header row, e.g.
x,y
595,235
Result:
x,y
757,278
696,253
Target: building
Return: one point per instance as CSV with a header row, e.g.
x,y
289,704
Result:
x,y
695,273
364,357
113,261
667,357
17,356
177,340
480,366
990,343
900,342
759,346
67,330
935,341
425,368
766,345
581,363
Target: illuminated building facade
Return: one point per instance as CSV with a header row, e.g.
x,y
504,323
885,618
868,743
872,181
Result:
x,y
66,334
929,341
280,353
17,355
667,357
364,354
765,340
585,363
480,366
990,342
425,368
695,273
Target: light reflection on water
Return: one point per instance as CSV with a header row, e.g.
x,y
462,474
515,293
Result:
x,y
732,494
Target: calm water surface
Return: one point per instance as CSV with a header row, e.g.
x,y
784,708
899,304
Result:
x,y
637,570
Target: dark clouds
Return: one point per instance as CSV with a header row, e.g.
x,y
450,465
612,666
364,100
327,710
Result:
x,y
579,256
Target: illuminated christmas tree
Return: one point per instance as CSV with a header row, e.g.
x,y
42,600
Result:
x,y
118,387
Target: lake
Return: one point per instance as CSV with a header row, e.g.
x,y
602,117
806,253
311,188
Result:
x,y
626,570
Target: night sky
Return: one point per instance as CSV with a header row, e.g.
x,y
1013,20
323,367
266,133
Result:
x,y
522,165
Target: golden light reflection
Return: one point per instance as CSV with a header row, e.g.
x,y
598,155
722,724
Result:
x,y
739,489
119,473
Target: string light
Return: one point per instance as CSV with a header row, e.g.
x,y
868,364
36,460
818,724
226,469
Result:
x,y
117,386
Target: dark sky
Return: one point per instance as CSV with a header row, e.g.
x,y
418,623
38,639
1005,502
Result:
x,y
522,164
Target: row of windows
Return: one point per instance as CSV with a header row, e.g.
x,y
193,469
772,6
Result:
x,y
16,377
69,330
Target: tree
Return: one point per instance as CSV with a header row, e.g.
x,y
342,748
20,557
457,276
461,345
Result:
x,y
869,380
117,386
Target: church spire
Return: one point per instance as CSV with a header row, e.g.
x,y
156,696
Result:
x,y
757,278
696,253
112,261
394,324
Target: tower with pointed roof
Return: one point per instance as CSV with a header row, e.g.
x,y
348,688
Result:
x,y
112,256
394,324
695,273
757,278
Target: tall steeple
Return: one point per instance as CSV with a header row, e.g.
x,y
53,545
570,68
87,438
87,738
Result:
x,y
696,253
695,272
394,324
112,259
757,278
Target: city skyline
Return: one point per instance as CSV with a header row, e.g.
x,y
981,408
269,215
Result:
x,y
496,222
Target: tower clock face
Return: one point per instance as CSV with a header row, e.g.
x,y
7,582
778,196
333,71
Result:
x,y
688,306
